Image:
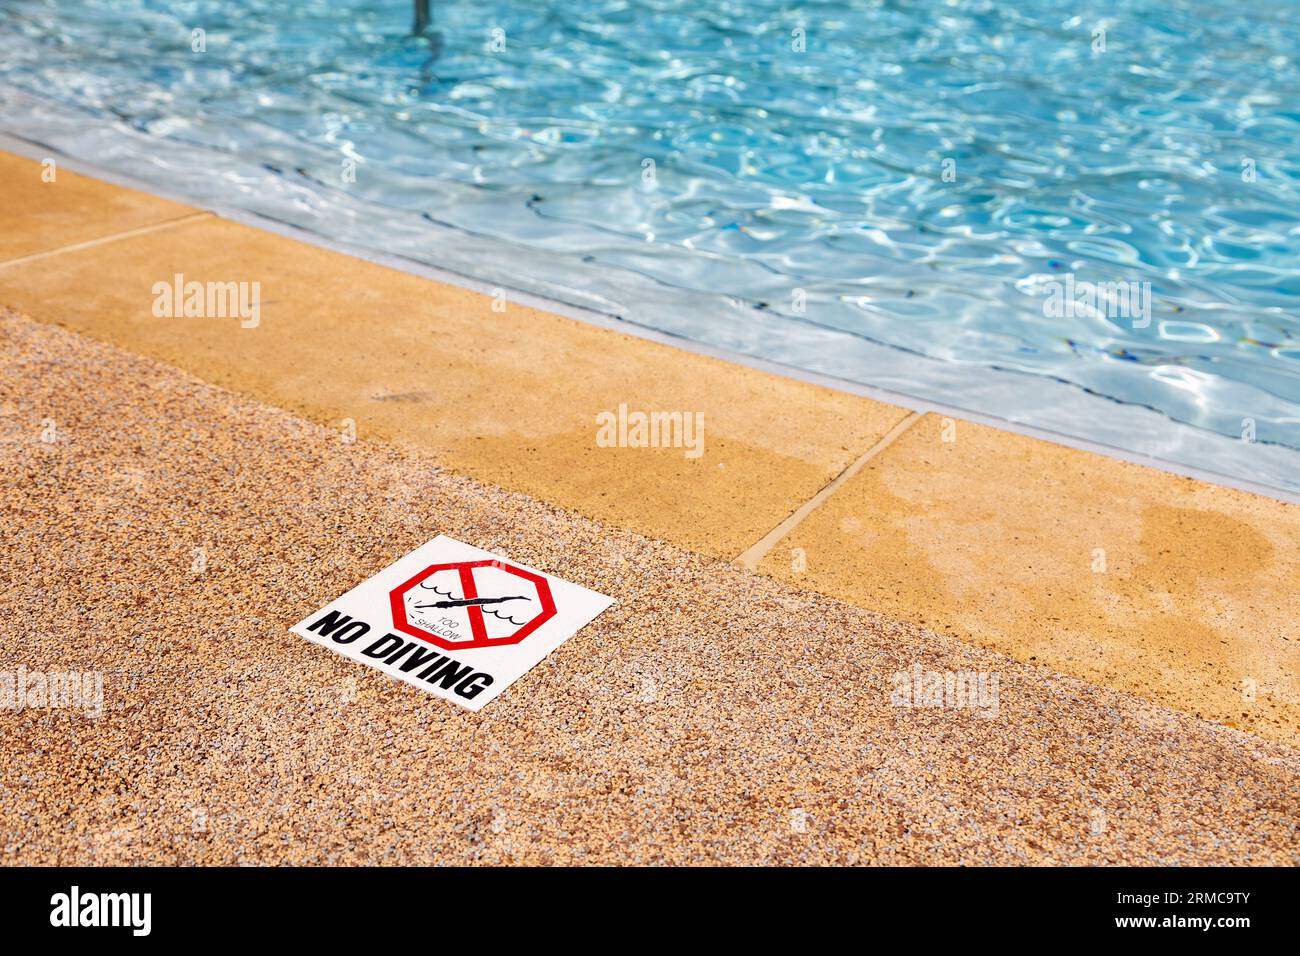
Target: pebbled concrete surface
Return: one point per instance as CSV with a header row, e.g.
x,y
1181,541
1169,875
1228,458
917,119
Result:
x,y
710,716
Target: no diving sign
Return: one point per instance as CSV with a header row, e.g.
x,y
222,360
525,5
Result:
x,y
483,608
454,620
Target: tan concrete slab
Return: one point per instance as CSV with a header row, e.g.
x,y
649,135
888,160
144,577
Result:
x,y
164,534
508,396
37,215
1136,579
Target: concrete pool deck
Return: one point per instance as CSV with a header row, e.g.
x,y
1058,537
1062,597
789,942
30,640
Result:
x,y
1111,572
734,706
712,715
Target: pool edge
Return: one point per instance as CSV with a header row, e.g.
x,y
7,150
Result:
x,y
28,149
1279,512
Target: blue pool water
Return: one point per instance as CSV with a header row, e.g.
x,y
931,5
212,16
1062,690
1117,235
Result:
x,y
758,175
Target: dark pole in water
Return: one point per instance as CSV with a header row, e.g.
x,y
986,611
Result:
x,y
421,17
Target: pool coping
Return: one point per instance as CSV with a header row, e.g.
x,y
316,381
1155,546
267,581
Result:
x,y
36,152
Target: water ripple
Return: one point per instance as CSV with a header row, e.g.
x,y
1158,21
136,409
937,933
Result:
x,y
916,176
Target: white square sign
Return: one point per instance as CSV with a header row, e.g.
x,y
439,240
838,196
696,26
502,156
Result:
x,y
454,620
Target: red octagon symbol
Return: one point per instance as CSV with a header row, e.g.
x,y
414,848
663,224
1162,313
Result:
x,y
469,591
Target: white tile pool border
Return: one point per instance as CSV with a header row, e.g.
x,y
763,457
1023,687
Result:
x,y
1130,417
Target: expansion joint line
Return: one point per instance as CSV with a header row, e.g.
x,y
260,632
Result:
x,y
751,557
104,240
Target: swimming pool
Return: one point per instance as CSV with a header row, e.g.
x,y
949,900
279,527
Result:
x,y
924,197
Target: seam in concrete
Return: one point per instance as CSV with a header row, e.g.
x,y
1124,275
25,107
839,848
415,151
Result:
x,y
753,556
104,240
